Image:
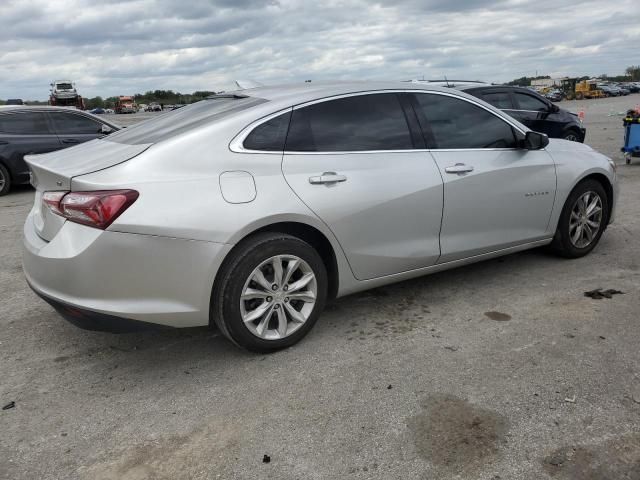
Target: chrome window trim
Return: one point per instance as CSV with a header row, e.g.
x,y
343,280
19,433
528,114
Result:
x,y
236,144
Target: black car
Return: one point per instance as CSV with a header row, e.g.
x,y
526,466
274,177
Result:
x,y
531,109
26,130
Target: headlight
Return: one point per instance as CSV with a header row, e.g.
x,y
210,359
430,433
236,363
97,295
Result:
x,y
613,165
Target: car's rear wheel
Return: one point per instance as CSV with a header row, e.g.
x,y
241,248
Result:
x,y
270,292
583,219
5,180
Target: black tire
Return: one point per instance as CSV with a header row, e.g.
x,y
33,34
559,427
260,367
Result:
x,y
225,300
562,244
571,135
5,180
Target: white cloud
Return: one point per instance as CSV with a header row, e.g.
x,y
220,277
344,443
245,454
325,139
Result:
x,y
120,47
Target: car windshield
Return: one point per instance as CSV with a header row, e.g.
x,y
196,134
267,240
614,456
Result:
x,y
184,119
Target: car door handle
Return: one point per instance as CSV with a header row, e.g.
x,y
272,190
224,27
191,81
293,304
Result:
x,y
70,140
327,177
459,168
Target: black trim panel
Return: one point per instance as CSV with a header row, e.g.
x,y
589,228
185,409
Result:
x,y
98,322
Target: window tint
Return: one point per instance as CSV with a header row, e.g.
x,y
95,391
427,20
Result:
x,y
269,136
24,123
456,123
529,102
364,122
500,100
74,124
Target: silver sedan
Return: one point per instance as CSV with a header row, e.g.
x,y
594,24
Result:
x,y
250,210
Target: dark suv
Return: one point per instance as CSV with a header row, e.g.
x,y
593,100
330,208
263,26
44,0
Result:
x,y
25,130
531,109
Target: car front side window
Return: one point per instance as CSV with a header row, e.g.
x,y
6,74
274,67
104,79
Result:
x,y
356,123
74,124
529,102
455,123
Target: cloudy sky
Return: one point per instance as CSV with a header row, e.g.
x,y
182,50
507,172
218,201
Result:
x,y
117,47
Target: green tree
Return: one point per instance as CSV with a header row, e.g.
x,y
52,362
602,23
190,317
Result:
x,y
633,72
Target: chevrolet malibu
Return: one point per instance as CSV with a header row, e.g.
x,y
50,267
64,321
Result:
x,y
250,210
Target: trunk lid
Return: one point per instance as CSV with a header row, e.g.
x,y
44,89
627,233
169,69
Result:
x,y
55,171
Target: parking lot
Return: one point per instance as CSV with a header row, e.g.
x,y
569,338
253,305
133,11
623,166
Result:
x,y
499,370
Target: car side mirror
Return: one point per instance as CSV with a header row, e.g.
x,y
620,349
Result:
x,y
554,108
535,141
106,129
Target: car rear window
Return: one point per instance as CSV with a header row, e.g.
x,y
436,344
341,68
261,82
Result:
x,y
358,123
184,119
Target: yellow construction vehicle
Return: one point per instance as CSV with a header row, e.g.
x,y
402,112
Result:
x,y
574,89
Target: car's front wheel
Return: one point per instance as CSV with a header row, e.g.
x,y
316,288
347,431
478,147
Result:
x,y
270,292
583,219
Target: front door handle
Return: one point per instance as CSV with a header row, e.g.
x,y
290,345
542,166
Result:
x,y
327,177
459,168
70,140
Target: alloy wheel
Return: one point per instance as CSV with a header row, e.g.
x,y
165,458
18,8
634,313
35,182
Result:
x,y
3,180
572,137
278,297
585,220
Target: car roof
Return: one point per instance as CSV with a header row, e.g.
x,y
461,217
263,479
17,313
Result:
x,y
294,94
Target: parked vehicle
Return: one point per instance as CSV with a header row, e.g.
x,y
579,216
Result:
x,y
609,90
554,95
251,209
65,94
97,111
532,109
126,104
14,101
27,130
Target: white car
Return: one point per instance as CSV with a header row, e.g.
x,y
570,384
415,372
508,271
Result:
x,y
249,210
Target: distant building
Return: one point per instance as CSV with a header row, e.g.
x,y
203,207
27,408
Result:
x,y
546,82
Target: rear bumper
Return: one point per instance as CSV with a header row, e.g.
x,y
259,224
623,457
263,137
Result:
x,y
96,321
107,280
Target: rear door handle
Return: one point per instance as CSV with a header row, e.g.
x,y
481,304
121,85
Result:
x,y
459,168
327,177
70,140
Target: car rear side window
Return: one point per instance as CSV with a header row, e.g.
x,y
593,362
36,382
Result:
x,y
457,123
358,123
24,123
529,102
73,124
501,100
269,136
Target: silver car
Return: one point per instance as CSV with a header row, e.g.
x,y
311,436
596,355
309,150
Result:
x,y
250,210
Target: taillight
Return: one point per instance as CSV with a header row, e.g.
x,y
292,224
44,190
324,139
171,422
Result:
x,y
96,209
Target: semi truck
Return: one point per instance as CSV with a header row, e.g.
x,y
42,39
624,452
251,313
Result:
x,y
126,104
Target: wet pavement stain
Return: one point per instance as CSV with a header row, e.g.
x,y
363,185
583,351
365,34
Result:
x,y
616,459
458,436
498,316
